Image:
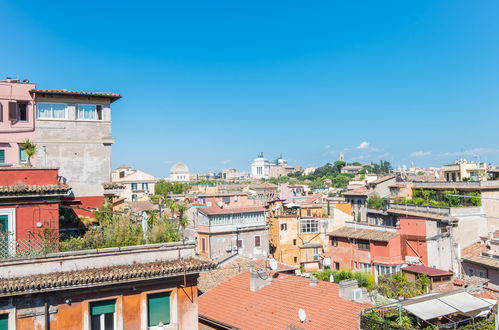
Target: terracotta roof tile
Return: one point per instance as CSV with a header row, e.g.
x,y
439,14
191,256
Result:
x,y
215,277
360,233
112,96
276,305
418,269
99,276
113,185
20,189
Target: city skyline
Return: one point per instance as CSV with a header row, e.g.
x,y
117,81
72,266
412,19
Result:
x,y
400,82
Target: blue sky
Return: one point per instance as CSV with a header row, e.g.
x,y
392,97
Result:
x,y
213,83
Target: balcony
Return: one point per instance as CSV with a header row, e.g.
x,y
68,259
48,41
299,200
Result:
x,y
438,210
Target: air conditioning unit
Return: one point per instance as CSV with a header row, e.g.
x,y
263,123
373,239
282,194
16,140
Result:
x,y
234,248
357,294
228,248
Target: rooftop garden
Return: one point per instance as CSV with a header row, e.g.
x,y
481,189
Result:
x,y
446,198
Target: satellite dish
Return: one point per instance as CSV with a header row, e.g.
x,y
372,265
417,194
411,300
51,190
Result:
x,y
301,315
273,264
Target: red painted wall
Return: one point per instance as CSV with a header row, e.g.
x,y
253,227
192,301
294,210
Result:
x,y
30,176
88,201
27,217
413,238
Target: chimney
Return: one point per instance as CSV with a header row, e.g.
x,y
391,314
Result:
x,y
347,287
258,278
313,280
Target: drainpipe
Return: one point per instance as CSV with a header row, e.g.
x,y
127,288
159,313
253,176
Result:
x,y
47,316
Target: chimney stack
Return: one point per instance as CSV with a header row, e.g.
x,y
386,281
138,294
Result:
x,y
313,280
258,278
347,287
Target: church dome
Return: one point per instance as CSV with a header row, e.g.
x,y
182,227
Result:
x,y
179,168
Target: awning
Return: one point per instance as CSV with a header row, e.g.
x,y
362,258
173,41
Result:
x,y
440,305
430,309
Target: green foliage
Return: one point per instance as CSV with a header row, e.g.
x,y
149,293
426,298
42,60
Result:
x,y
397,285
166,188
279,180
384,167
376,202
30,149
364,279
448,198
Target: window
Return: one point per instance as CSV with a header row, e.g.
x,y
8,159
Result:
x,y
23,157
284,226
4,321
257,241
337,265
309,226
309,212
102,315
203,244
2,156
295,259
89,112
145,186
239,244
1,112
51,110
134,197
334,241
294,242
363,244
365,267
316,254
134,186
22,111
158,309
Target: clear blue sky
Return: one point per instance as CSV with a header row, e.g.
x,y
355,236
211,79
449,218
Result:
x,y
213,83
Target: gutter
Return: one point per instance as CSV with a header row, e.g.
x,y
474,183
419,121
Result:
x,y
217,323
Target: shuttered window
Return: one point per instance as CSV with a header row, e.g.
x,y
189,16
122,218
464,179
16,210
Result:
x,y
2,159
158,309
4,321
12,111
257,241
102,315
1,112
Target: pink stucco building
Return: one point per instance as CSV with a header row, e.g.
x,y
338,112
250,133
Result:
x,y
17,120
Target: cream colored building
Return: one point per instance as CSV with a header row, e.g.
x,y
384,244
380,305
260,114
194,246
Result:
x,y
461,170
179,172
139,185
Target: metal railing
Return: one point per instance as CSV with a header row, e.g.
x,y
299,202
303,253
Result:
x,y
10,247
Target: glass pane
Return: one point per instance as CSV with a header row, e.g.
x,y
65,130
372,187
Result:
x,y
59,110
2,156
109,321
44,110
95,322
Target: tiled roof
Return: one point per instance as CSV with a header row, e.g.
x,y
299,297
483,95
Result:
x,y
418,269
360,233
101,276
113,185
483,260
418,214
276,305
75,93
383,179
213,278
312,199
214,210
21,189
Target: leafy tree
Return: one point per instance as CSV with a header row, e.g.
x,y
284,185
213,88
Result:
x,y
30,149
166,188
376,202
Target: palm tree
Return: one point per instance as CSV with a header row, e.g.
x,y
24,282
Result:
x,y
30,149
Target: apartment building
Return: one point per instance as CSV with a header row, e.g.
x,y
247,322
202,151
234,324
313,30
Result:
x,y
17,120
138,185
142,287
230,224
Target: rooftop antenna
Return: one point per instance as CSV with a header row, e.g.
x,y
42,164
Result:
x,y
301,315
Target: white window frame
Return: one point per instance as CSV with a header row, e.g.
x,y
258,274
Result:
x,y
117,302
52,118
303,223
11,214
96,114
173,311
11,311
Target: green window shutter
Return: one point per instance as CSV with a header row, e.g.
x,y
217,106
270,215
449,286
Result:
x,y
158,308
2,156
4,321
102,307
